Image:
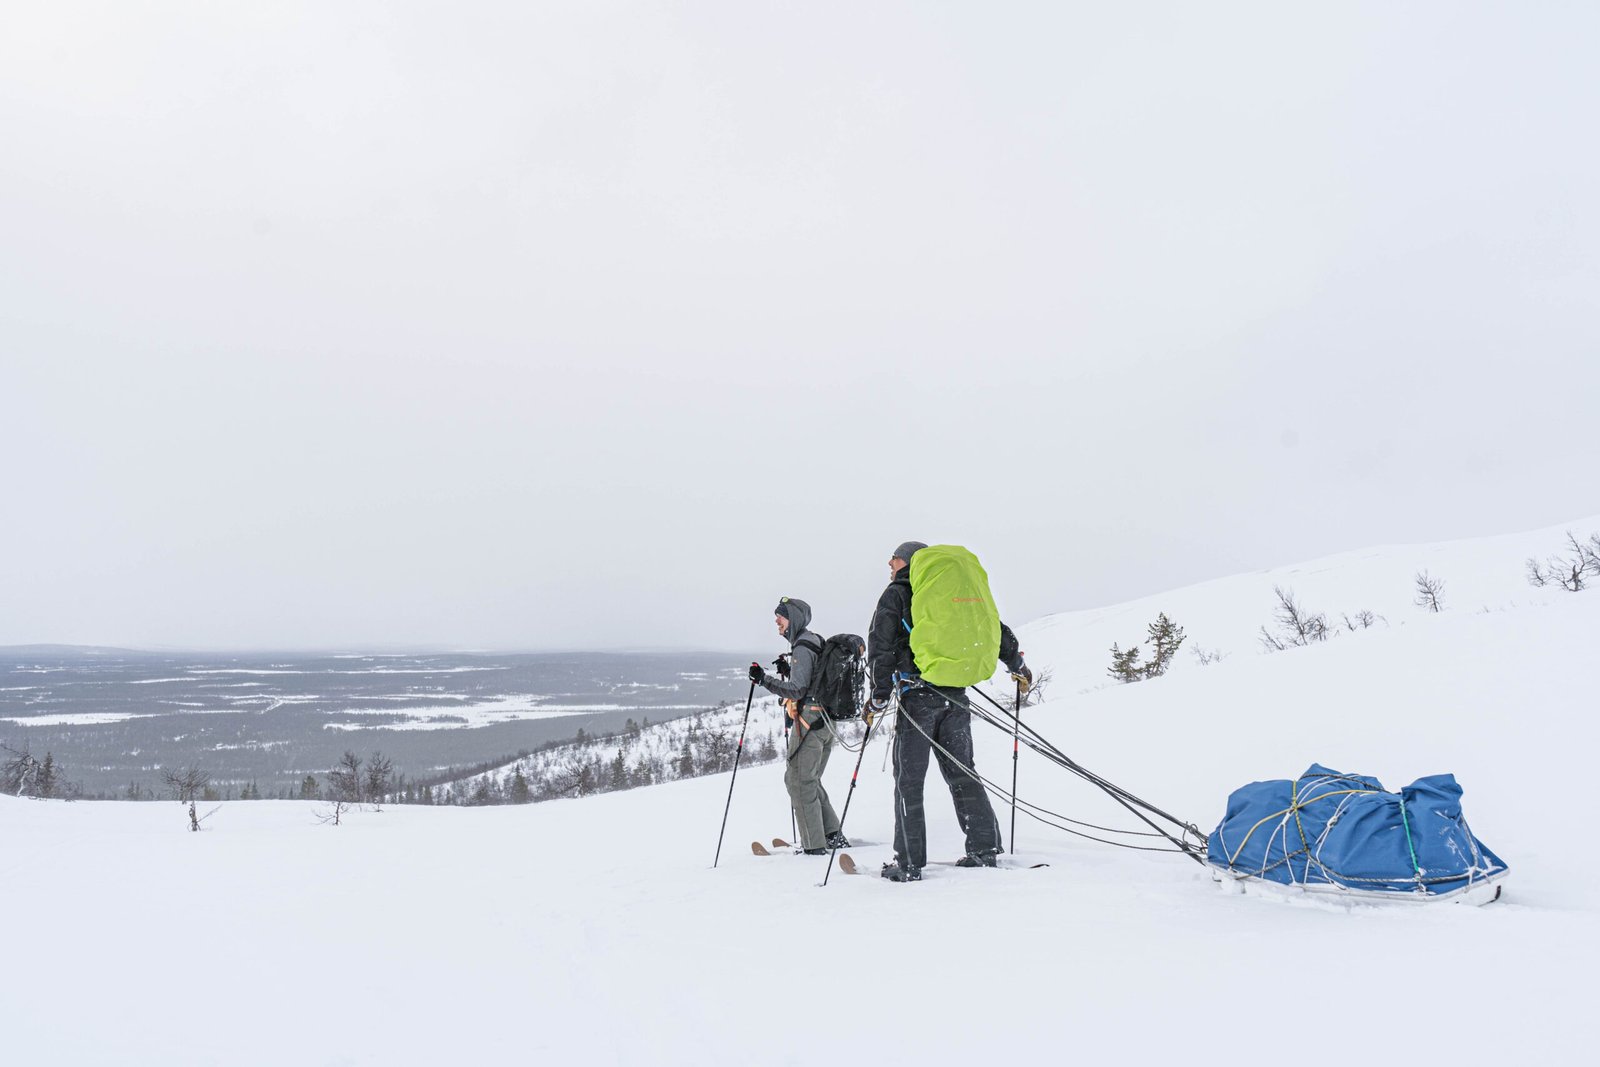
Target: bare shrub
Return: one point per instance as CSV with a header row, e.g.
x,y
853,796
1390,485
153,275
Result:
x,y
379,773
187,785
20,773
334,813
346,783
346,780
1297,627
1572,570
1430,592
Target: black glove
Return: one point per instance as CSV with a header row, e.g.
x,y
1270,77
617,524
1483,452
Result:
x,y
756,673
875,707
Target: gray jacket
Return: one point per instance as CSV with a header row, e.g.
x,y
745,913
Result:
x,y
802,655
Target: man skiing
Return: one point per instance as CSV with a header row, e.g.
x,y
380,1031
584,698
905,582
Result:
x,y
938,721
810,732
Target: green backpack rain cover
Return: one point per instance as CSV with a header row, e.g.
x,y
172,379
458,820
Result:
x,y
955,627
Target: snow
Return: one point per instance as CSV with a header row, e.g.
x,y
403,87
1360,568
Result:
x,y
488,712
84,718
363,670
596,930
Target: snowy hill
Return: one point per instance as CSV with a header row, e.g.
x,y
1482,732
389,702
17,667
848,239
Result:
x,y
638,755
595,928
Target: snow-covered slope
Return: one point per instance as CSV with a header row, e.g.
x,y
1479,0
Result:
x,y
595,929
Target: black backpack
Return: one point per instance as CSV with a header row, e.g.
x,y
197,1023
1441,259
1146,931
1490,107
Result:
x,y
840,677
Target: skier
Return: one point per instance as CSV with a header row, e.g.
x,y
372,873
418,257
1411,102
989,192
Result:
x,y
939,713
810,733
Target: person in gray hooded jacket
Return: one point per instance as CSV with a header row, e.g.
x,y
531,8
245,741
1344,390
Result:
x,y
811,734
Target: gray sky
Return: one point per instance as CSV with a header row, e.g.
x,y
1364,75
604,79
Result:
x,y
509,325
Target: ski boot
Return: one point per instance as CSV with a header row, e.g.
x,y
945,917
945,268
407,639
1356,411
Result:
x,y
978,859
896,873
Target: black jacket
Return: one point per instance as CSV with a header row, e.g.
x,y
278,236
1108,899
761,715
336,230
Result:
x,y
889,640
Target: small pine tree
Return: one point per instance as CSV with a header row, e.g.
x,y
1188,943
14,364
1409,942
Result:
x,y
1165,637
1125,664
308,788
521,792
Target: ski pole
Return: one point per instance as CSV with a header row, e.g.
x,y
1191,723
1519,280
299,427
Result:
x,y
846,813
1016,729
794,825
736,754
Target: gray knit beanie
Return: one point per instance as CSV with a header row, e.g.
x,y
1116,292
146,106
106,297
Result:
x,y
907,550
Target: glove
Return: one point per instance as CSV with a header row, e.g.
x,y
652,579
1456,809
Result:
x,y
756,673
1024,679
874,709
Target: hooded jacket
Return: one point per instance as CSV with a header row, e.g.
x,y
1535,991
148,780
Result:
x,y
802,654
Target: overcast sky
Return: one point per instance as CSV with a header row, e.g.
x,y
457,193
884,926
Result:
x,y
515,325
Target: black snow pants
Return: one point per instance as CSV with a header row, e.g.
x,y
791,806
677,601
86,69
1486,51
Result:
x,y
950,725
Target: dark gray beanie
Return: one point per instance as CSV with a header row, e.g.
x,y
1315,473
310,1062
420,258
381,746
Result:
x,y
907,550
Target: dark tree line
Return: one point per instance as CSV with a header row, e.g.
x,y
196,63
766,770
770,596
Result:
x,y
639,754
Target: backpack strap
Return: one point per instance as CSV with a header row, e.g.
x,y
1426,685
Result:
x,y
816,670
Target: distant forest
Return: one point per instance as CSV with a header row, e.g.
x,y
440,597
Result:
x,y
639,754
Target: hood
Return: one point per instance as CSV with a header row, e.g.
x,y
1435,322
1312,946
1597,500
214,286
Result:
x,y
799,615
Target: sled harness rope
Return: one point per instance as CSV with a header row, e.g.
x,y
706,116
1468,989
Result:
x,y
1191,843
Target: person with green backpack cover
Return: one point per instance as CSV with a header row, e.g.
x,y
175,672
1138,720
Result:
x,y
935,632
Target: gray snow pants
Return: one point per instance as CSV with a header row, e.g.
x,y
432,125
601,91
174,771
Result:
x,y
810,744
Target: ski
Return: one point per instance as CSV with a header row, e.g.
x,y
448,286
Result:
x,y
999,867
778,842
846,864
